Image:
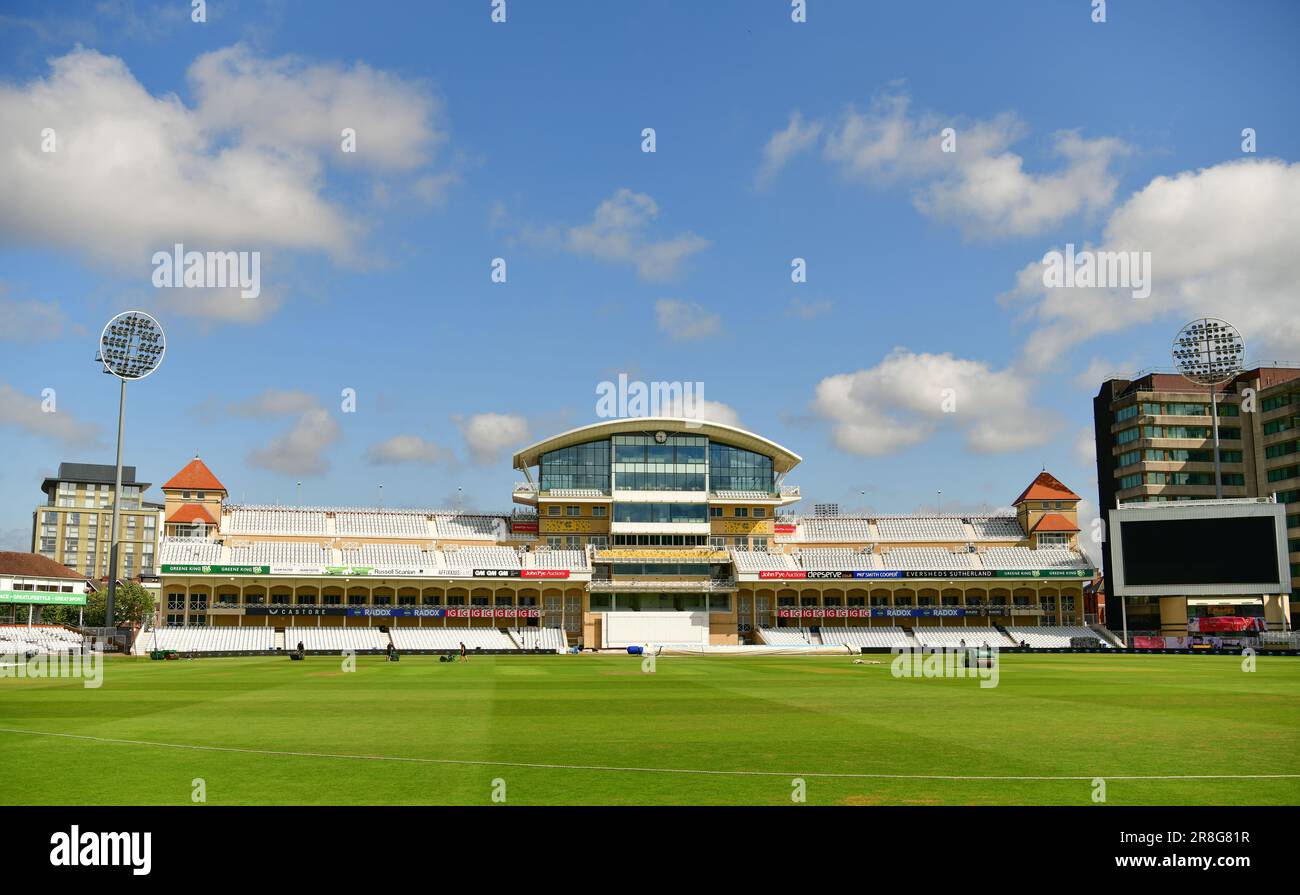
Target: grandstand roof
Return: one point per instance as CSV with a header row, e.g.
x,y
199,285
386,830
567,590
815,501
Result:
x,y
33,565
1055,522
1046,487
783,459
192,512
195,477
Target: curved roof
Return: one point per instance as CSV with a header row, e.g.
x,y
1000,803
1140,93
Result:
x,y
783,459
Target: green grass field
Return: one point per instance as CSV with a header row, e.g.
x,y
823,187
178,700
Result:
x,y
530,721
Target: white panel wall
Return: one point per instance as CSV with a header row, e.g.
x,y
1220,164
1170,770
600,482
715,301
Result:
x,y
622,629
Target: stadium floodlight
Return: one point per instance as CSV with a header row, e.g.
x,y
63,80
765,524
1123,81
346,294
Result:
x,y
1209,351
130,347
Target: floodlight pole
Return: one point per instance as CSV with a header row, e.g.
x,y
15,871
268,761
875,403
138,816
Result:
x,y
1218,476
117,511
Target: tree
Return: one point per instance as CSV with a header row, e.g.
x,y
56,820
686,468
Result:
x,y
132,604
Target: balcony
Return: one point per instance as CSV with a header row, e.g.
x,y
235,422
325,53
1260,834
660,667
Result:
x,y
692,585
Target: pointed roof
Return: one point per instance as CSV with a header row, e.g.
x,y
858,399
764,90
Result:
x,y
1046,487
194,477
1054,522
192,512
33,565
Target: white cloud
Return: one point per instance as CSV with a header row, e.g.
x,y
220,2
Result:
x,y
300,450
31,320
617,235
273,403
1085,448
701,409
488,435
244,168
1222,243
1090,530
685,321
902,402
407,449
797,136
808,310
982,186
27,414
287,104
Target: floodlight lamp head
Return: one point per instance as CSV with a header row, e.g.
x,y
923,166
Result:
x,y
132,345
1208,351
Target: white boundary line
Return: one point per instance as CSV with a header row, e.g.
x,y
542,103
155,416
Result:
x,y
618,769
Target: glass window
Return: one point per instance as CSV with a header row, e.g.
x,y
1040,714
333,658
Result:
x,y
579,466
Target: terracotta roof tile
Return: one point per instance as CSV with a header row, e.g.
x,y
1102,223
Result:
x,y
33,565
1046,487
192,512
195,477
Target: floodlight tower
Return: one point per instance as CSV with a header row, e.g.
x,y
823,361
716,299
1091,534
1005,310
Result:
x,y
1209,351
130,347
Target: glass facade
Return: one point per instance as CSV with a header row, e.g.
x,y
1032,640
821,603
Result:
x,y
638,462
643,464
580,466
661,512
736,469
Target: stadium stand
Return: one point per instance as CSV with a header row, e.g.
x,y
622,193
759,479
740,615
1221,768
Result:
x,y
400,556
1023,558
381,524
470,528
925,558
786,636
870,638
298,553
480,558
206,640
539,638
996,528
38,639
178,551
335,639
1052,636
451,638
761,561
843,559
574,560
935,636
259,520
818,529
920,528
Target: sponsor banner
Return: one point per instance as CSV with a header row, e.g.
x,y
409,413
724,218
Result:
x,y
1225,624
297,570
197,569
1045,573
489,612
930,574
876,612
523,526
521,573
398,611
824,612
45,597
783,529
1141,642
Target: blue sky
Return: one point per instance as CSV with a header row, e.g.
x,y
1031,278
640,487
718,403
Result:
x,y
522,140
